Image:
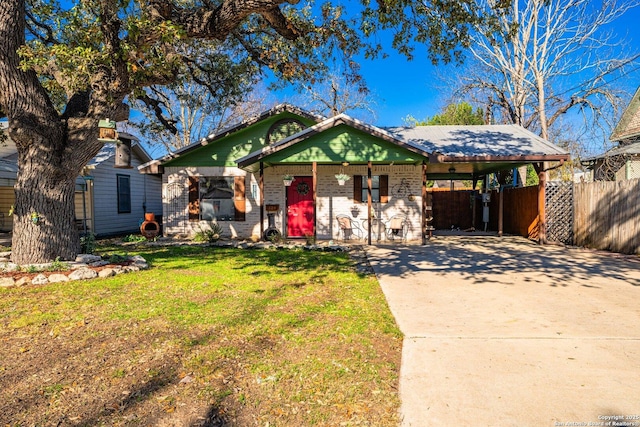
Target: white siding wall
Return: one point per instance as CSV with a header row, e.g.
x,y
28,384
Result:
x,y
7,199
83,208
332,199
634,169
105,198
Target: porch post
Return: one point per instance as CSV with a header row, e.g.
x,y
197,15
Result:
x,y
424,202
542,224
369,216
261,198
314,185
473,202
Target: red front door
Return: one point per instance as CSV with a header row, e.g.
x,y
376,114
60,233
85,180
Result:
x,y
300,213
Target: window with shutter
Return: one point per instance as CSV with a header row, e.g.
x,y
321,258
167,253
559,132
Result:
x,y
217,198
239,200
194,199
379,188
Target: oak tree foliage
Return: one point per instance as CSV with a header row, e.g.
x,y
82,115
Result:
x,y
65,65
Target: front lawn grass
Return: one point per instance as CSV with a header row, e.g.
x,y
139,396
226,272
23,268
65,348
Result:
x,y
207,336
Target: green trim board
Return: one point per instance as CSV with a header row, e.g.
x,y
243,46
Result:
x,y
226,150
343,143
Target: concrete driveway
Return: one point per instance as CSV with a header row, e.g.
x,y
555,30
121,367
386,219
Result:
x,y
504,332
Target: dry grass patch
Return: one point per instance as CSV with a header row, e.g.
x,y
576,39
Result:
x,y
206,337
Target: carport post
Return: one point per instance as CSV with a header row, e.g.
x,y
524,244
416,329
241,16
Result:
x,y
542,181
473,202
500,211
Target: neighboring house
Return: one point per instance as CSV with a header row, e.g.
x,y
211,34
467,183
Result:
x,y
235,177
108,200
623,161
112,200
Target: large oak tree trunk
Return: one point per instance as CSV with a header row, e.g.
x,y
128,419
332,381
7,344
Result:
x,y
44,219
52,150
49,165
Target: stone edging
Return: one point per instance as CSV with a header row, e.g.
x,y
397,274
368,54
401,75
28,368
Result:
x,y
80,269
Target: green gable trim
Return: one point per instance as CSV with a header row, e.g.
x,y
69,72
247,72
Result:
x,y
631,115
226,150
344,143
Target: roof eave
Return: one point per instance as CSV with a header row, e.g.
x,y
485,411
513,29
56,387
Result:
x,y
280,108
249,161
440,158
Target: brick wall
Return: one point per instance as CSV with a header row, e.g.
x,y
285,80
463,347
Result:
x,y
331,199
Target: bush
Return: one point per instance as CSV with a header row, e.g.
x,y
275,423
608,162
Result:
x,y
211,234
88,243
134,238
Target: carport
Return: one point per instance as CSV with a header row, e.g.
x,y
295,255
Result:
x,y
476,152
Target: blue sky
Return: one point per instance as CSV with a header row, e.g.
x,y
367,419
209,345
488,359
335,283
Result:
x,y
401,87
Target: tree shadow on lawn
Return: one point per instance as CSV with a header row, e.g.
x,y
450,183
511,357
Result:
x,y
285,260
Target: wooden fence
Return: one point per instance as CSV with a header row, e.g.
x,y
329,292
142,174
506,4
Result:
x,y
451,209
520,211
455,210
603,215
607,215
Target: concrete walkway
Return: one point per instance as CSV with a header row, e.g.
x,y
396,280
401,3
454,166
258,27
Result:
x,y
504,332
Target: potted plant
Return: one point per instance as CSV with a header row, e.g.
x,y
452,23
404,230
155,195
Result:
x,y
287,179
342,178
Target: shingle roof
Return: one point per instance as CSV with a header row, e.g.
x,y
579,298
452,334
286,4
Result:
x,y
620,150
478,141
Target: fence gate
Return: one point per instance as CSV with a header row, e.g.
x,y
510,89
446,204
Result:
x,y
559,212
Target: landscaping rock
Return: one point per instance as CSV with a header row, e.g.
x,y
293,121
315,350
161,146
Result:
x,y
88,258
140,262
99,263
7,282
107,272
76,265
40,279
8,266
23,281
83,274
57,278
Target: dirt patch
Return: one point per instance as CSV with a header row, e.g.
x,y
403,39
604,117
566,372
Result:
x,y
92,374
93,369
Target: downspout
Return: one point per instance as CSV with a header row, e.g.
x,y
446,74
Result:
x,y
369,215
84,206
144,192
